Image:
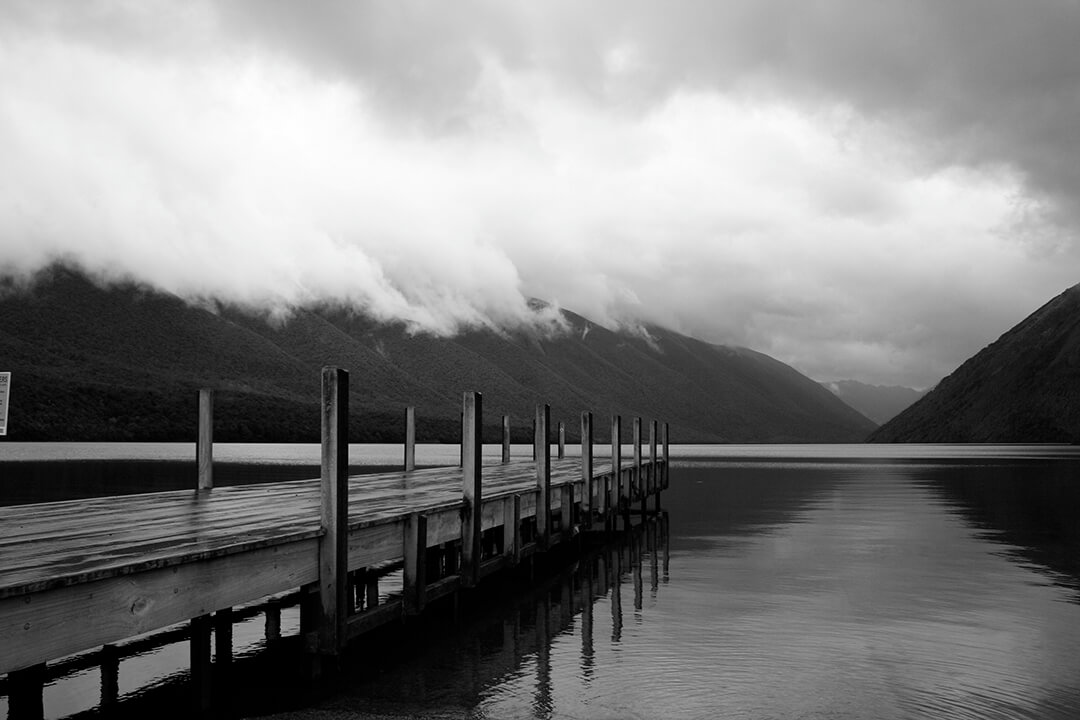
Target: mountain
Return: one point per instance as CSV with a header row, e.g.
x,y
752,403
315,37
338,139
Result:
x,y
1025,387
122,362
880,403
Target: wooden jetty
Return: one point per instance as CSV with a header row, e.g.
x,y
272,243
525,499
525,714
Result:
x,y
85,574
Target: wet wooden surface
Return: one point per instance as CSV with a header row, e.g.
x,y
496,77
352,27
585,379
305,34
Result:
x,y
62,543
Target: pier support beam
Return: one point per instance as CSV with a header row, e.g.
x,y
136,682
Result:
x,y
201,677
587,482
110,677
542,451
619,490
204,443
333,545
667,456
637,489
562,440
410,438
471,487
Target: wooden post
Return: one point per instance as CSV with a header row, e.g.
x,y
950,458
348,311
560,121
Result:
x,y
506,439
562,440
110,677
461,446
586,468
512,528
223,635
25,689
333,545
201,678
566,510
667,456
636,488
616,463
654,480
410,438
414,576
273,621
471,458
542,450
204,443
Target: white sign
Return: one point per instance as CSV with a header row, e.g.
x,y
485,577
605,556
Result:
x,y
5,385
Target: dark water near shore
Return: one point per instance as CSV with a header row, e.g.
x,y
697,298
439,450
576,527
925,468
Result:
x,y
817,582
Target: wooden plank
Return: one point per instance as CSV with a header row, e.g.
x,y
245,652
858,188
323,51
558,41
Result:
x,y
374,544
410,438
37,627
333,545
472,491
204,443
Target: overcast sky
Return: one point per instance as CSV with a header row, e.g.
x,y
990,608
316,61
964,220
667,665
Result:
x,y
864,190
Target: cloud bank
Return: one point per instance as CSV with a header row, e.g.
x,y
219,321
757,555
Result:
x,y
872,193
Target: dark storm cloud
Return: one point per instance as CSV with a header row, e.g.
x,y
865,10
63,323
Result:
x,y
865,190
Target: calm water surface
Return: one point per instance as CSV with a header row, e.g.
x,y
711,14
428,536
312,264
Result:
x,y
788,581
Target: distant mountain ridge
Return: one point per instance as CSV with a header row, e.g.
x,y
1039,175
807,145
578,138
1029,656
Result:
x,y
1024,387
122,362
880,403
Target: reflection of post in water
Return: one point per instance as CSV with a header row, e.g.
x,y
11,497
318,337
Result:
x,y
635,557
665,545
542,699
654,557
616,596
587,656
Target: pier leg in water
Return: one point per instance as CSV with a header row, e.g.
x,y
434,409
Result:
x,y
201,672
110,677
24,698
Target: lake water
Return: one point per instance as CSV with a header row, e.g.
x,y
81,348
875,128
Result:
x,y
786,581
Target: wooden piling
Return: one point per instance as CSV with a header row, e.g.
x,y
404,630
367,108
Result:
x,y
333,545
512,529
667,456
410,438
636,487
618,489
654,467
273,621
562,440
542,452
414,575
204,444
110,677
25,700
201,677
471,459
587,481
223,635
505,439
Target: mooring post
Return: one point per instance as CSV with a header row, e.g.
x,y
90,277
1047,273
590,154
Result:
x,y
471,457
512,529
542,452
223,635
414,576
204,443
637,487
667,456
506,439
586,468
410,438
654,480
201,678
562,440
333,545
616,464
273,621
25,688
110,677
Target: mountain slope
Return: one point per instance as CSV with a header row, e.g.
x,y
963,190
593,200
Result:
x,y
1024,387
880,403
122,363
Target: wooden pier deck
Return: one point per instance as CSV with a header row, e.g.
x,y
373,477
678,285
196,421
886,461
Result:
x,y
82,574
